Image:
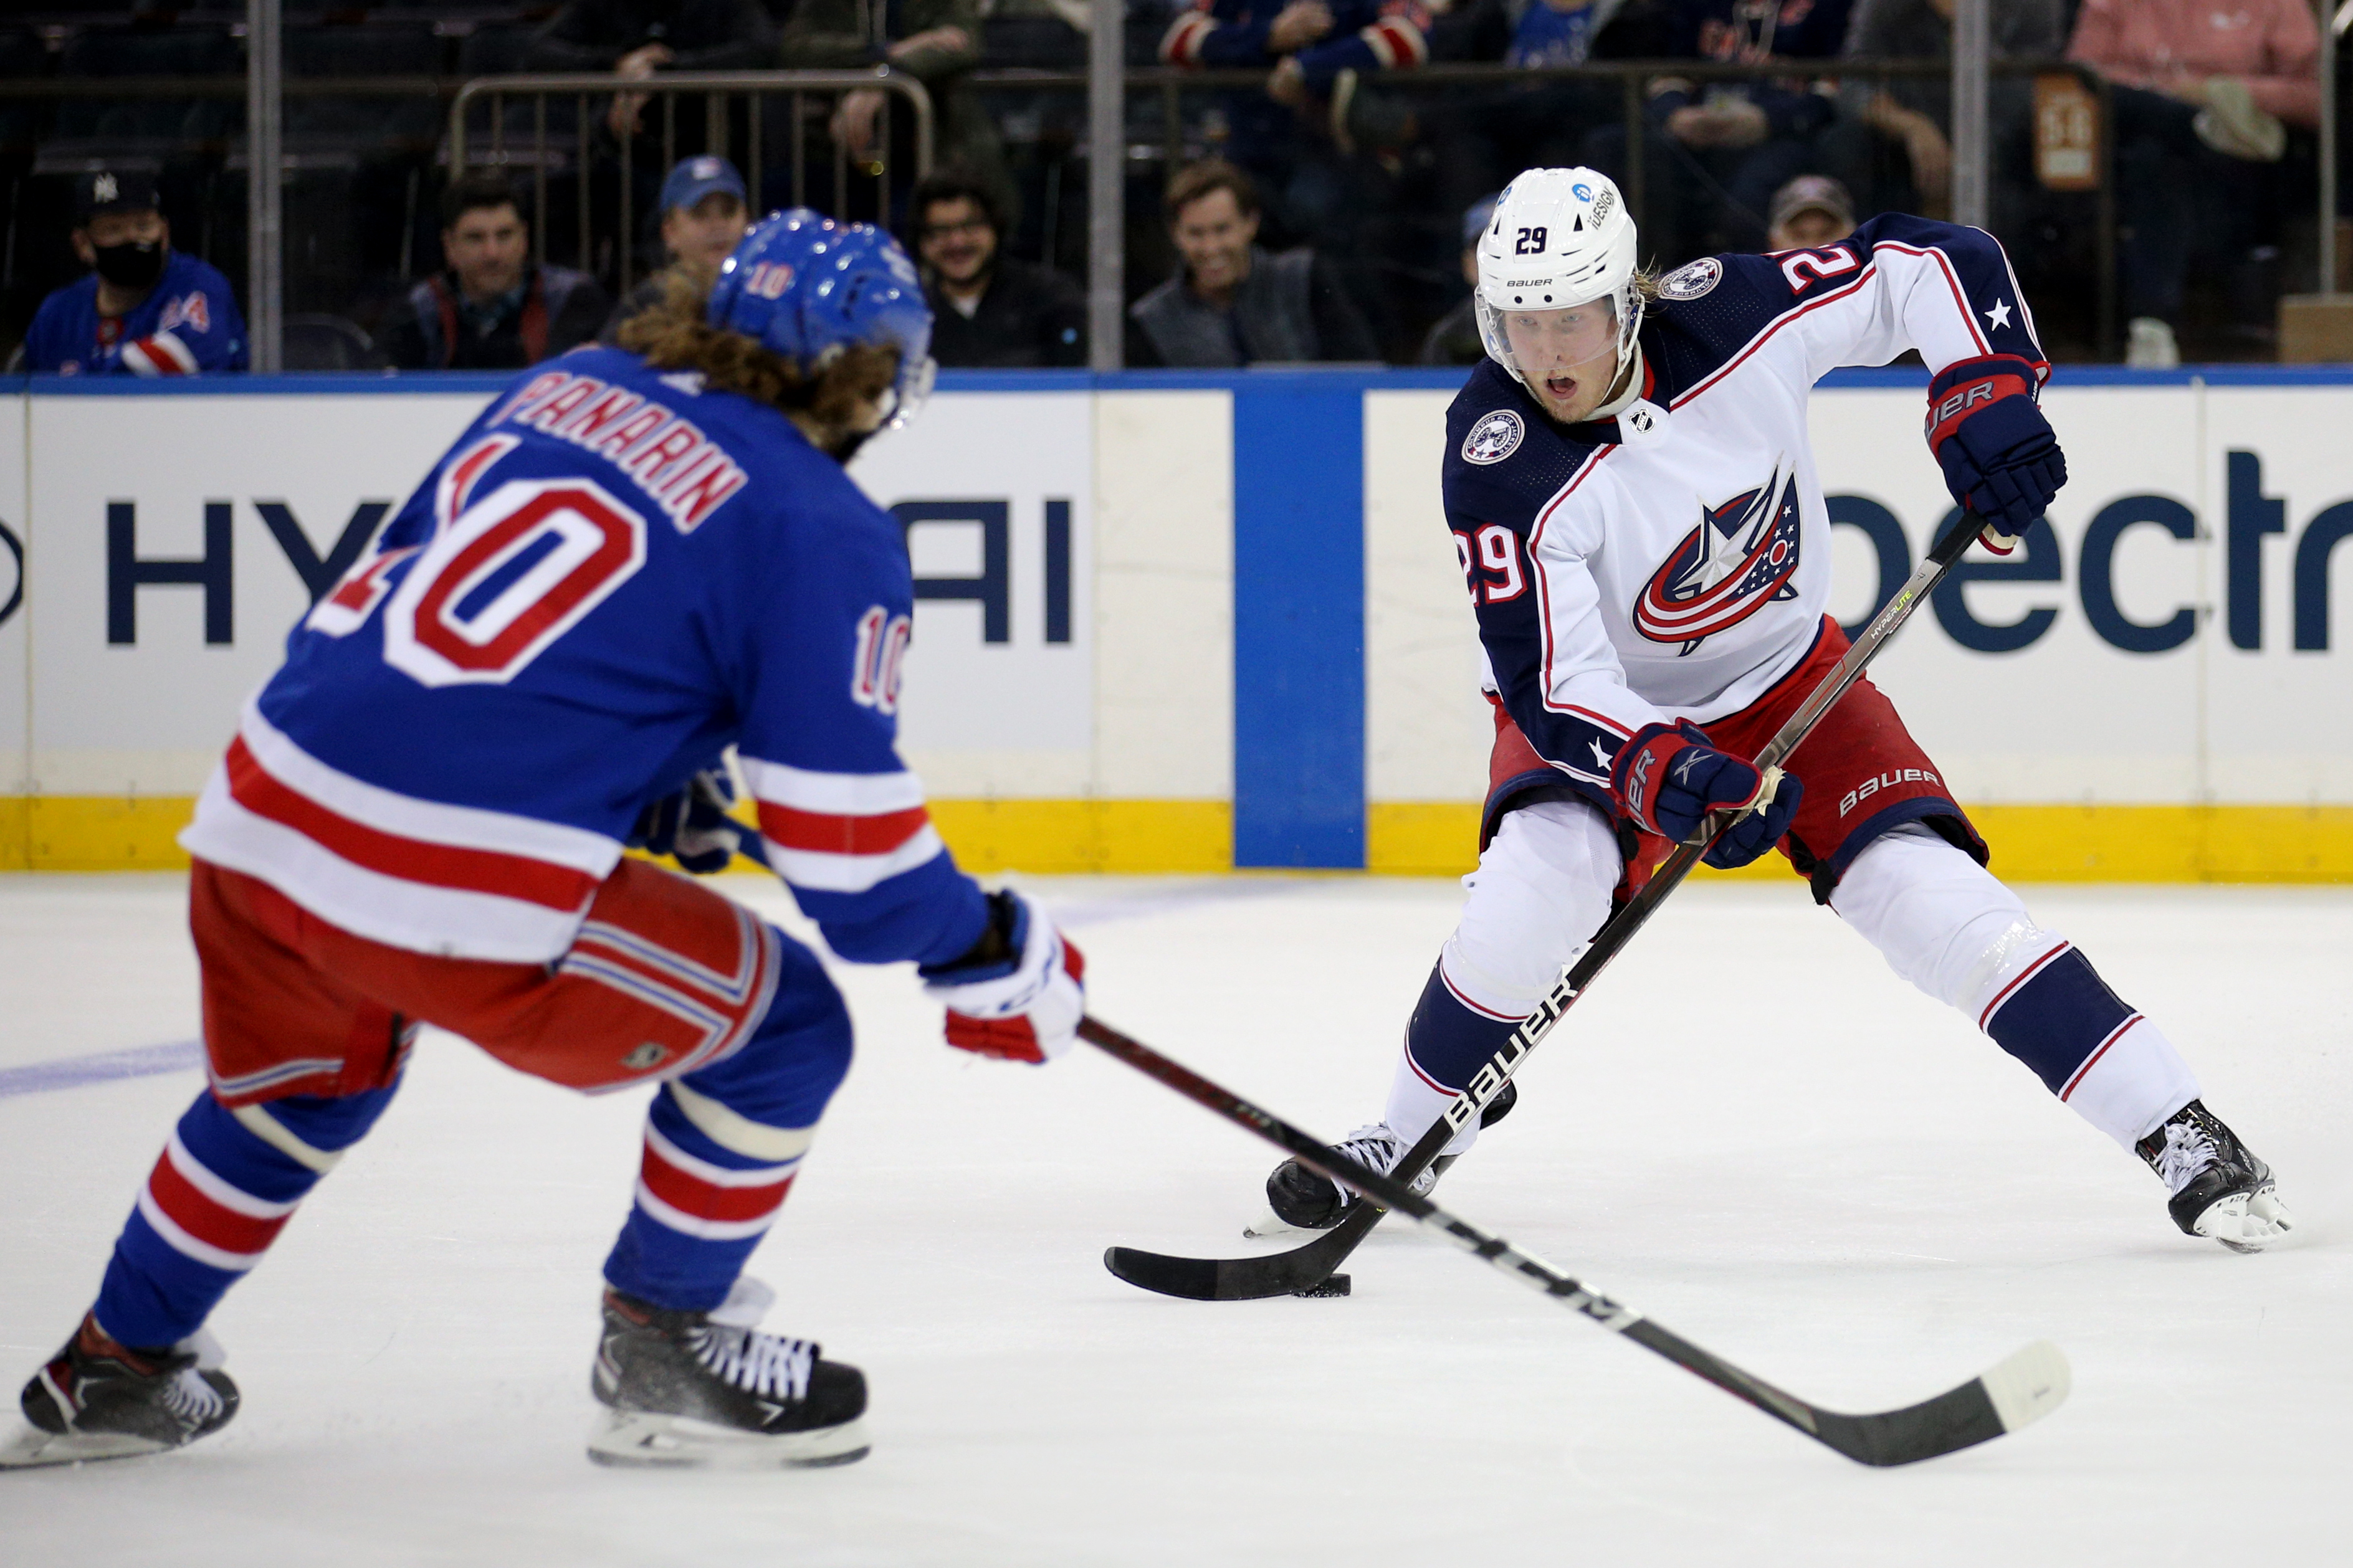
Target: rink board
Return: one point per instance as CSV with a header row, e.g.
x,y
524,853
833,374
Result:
x,y
1176,621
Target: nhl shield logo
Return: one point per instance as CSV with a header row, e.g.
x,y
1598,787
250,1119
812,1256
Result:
x,y
1495,438
1692,281
644,1056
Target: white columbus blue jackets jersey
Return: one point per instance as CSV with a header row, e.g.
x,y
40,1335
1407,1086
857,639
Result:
x,y
611,577
1620,583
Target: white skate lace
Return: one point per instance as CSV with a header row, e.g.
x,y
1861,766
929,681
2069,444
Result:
x,y
2188,1151
1377,1147
189,1398
769,1365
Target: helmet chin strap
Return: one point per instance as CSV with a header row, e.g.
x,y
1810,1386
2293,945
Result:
x,y
1624,390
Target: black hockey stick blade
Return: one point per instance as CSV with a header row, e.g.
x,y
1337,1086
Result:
x,y
2021,1390
1244,1279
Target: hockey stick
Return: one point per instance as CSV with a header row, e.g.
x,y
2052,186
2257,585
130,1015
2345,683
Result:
x,y
2022,1388
1305,1267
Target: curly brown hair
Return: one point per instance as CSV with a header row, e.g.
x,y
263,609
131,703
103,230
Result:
x,y
672,334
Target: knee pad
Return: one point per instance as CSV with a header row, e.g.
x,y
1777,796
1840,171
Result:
x,y
783,1075
1541,890
1942,922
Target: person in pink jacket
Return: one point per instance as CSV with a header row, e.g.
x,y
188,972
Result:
x,y
2205,90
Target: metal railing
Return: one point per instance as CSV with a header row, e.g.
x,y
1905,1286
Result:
x,y
500,140
718,90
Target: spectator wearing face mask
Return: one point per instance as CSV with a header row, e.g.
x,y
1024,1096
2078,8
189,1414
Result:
x,y
144,309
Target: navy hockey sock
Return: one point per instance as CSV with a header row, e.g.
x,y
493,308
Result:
x,y
225,1185
723,1145
1446,1044
2096,1054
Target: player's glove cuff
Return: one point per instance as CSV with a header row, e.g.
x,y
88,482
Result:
x,y
1999,455
1019,993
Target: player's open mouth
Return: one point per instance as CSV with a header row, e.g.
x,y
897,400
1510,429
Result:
x,y
1561,386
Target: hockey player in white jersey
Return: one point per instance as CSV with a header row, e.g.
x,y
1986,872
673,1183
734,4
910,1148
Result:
x,y
635,559
1633,501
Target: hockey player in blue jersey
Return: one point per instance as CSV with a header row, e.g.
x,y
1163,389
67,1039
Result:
x,y
635,559
1632,496
146,309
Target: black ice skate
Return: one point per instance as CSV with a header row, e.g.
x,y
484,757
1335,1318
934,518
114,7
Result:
x,y
708,1388
97,1399
1301,1200
2219,1189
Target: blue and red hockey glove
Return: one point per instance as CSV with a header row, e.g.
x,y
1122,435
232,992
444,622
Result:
x,y
1668,777
1019,993
2000,459
693,827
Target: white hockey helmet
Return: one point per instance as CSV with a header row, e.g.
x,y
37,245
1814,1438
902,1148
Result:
x,y
1560,237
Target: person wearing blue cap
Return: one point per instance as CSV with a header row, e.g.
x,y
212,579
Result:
x,y
637,561
703,218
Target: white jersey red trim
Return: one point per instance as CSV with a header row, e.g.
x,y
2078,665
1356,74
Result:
x,y
841,833
455,880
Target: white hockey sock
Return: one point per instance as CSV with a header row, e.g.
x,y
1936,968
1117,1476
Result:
x,y
1416,1100
1950,927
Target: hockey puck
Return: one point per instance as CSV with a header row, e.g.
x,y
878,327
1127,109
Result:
x,y
1337,1285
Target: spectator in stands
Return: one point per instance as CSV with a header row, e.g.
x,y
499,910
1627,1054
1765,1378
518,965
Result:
x,y
703,218
1916,112
1454,338
2200,97
1716,150
635,39
1316,54
990,310
1810,211
1484,136
1232,303
935,41
144,309
493,308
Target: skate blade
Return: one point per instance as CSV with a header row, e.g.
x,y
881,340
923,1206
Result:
x,y
643,1439
2247,1222
29,1448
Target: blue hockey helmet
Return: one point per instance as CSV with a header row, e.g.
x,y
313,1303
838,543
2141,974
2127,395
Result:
x,y
806,288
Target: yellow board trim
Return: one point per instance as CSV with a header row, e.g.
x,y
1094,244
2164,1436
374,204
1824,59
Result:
x,y
2030,843
1423,838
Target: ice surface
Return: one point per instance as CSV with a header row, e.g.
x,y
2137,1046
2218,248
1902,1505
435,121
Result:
x,y
1751,1131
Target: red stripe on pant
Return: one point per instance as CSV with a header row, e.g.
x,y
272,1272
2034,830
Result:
x,y
213,1224
690,1194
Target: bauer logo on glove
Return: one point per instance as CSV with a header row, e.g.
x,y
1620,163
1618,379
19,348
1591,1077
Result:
x,y
2001,457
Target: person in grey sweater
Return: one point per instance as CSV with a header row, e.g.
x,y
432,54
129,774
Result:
x,y
1232,303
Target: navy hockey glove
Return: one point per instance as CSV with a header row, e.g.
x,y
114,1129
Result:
x,y
693,827
1668,777
1019,993
2000,460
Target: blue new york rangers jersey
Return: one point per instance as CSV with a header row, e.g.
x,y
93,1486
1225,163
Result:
x,y
1679,569
611,577
187,325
